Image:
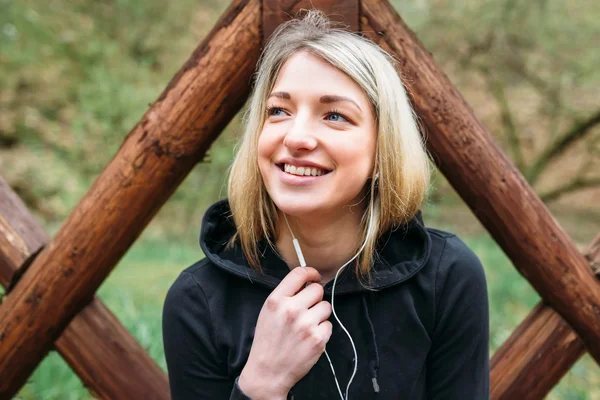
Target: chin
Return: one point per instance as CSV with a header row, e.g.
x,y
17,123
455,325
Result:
x,y
299,205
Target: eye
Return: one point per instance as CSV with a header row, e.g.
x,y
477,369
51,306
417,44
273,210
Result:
x,y
274,111
336,116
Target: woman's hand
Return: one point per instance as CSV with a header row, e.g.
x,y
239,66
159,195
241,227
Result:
x,y
291,333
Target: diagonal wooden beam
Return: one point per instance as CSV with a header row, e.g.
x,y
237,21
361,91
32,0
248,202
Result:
x,y
109,361
535,357
158,153
539,352
489,183
20,235
275,12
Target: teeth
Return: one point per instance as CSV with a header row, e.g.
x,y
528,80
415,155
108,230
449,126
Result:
x,y
303,171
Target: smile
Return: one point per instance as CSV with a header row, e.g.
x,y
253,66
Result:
x,y
300,176
301,170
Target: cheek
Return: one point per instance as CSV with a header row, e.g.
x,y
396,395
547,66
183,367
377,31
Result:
x,y
355,153
267,143
262,157
367,151
265,152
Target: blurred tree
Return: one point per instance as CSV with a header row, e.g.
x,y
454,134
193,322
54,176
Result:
x,y
535,61
75,76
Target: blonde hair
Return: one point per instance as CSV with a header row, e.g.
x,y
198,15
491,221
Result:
x,y
401,159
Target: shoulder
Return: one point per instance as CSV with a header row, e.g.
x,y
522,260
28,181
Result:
x,y
184,291
457,268
203,274
193,284
188,279
189,303
460,282
204,285
453,255
458,363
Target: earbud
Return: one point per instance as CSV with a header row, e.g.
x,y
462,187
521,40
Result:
x,y
376,177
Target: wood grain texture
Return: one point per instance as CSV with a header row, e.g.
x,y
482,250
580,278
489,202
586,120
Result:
x,y
593,255
275,12
535,357
488,182
20,235
539,352
109,361
155,157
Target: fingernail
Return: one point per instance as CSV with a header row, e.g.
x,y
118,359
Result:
x,y
320,276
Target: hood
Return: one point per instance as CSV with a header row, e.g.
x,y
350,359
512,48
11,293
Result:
x,y
402,252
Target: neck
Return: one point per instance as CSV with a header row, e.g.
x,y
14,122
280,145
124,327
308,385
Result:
x,y
327,242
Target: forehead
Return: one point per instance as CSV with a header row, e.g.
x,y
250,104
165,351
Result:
x,y
305,74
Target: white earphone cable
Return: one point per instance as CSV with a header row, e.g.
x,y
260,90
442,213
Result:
x,y
303,264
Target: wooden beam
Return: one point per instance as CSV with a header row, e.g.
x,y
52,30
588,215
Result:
x,y
275,12
539,352
489,183
20,235
158,153
109,361
593,256
535,357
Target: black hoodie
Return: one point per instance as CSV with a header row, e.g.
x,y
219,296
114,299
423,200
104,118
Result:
x,y
421,334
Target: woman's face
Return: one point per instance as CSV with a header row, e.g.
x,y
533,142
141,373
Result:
x,y
317,146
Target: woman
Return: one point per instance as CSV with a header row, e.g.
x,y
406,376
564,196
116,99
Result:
x,y
331,172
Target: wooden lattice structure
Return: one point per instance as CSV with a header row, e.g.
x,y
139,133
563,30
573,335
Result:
x,y
51,282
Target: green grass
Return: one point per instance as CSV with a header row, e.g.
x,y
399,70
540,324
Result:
x,y
136,289
135,293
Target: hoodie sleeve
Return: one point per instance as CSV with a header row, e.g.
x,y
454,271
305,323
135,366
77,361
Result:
x,y
458,362
196,370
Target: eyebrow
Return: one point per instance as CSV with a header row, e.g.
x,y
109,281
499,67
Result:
x,y
329,98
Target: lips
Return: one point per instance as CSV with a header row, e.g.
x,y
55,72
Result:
x,y
292,180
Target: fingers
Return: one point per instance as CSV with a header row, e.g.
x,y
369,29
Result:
x,y
315,336
310,295
323,332
307,324
295,280
319,312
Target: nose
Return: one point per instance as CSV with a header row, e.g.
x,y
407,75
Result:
x,y
299,136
